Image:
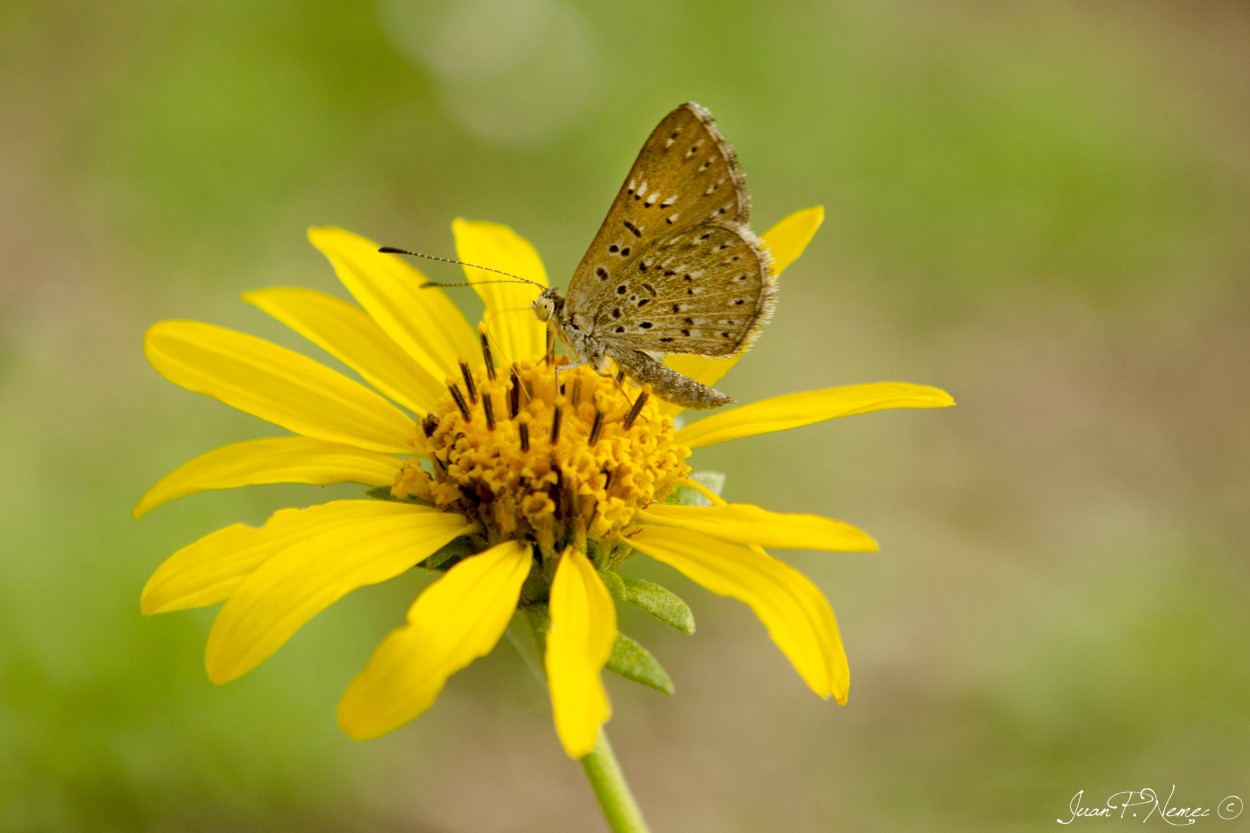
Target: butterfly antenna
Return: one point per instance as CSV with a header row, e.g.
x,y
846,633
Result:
x,y
391,250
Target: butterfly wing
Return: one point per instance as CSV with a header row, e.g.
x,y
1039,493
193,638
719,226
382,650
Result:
x,y
685,175
705,290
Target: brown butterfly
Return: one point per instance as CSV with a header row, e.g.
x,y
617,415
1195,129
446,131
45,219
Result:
x,y
674,267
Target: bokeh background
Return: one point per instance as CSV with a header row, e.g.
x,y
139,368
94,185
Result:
x,y
1040,206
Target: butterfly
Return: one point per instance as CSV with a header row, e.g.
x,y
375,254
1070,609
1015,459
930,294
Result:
x,y
673,269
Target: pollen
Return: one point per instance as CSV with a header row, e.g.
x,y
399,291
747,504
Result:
x,y
555,454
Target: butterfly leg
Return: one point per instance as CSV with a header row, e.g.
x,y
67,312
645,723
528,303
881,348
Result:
x,y
556,368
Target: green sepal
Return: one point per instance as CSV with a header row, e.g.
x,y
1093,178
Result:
x,y
713,481
538,620
381,493
651,598
538,623
384,493
634,662
457,549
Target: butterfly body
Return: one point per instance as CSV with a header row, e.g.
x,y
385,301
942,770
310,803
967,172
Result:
x,y
674,267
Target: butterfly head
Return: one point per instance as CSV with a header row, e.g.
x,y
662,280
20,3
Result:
x,y
548,305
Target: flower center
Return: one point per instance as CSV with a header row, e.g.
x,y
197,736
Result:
x,y
541,451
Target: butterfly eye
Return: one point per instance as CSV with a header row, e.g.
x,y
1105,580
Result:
x,y
543,308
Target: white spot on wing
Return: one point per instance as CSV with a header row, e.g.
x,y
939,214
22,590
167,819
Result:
x,y
712,188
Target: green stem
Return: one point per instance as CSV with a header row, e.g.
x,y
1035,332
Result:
x,y
608,782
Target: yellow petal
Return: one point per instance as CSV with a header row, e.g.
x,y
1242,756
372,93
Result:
x,y
424,322
275,601
795,612
786,241
278,460
583,629
454,621
788,238
753,525
509,318
797,409
207,571
346,332
275,384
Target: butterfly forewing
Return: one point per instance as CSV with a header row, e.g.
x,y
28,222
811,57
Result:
x,y
685,175
705,290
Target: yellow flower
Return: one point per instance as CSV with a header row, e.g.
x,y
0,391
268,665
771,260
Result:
x,y
524,487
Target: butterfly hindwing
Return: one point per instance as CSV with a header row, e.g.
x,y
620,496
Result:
x,y
705,290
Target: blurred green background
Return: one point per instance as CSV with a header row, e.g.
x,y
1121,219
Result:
x,y
1041,207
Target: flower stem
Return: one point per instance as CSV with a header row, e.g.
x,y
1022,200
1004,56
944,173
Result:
x,y
606,779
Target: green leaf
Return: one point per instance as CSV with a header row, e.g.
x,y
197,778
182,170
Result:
x,y
614,583
634,662
713,481
660,602
629,659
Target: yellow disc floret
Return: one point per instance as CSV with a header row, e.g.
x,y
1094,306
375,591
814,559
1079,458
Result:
x,y
561,456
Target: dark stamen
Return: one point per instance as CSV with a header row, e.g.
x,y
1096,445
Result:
x,y
596,427
549,354
620,377
459,397
490,363
489,408
555,424
429,424
525,436
556,490
469,384
577,391
607,478
514,395
527,387
637,409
